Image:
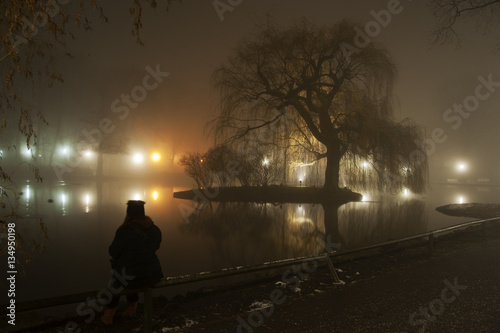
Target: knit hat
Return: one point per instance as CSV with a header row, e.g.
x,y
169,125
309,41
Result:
x,y
135,208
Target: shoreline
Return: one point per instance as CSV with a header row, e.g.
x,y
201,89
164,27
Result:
x,y
212,306
473,210
217,308
269,194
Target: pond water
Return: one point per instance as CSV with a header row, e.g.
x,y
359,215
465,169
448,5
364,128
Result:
x,y
81,219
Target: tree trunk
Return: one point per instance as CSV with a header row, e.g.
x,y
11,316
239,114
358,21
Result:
x,y
333,238
332,170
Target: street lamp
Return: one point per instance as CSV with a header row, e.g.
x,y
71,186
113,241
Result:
x,y
138,158
462,167
156,157
65,150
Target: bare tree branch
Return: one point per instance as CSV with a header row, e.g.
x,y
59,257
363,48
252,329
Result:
x,y
337,104
449,12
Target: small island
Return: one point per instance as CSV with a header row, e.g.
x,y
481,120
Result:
x,y
270,194
474,210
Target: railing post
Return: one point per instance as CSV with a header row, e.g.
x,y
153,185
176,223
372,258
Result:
x,y
148,310
431,243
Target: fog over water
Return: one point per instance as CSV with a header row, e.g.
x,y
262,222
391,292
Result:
x,y
184,46
157,99
81,227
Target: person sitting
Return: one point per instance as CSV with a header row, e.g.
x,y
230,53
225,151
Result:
x,y
133,252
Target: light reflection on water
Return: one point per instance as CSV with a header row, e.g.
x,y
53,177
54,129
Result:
x,y
82,218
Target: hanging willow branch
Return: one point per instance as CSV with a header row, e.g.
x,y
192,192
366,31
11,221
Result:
x,y
336,104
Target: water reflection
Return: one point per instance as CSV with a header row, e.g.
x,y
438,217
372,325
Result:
x,y
253,233
77,198
27,197
87,202
249,233
19,225
63,203
369,223
221,235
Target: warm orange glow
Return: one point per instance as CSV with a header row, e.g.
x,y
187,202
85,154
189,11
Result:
x,y
156,157
155,195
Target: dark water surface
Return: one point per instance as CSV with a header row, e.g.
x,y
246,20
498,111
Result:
x,y
81,219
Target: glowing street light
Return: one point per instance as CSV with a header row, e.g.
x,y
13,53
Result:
x,y
265,161
156,157
65,150
461,199
138,158
461,166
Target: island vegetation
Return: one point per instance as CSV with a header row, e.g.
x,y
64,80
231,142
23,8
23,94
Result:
x,y
308,107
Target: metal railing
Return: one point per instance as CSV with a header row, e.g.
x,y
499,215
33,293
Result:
x,y
191,278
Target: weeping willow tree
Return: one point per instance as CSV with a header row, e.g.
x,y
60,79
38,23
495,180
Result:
x,y
336,96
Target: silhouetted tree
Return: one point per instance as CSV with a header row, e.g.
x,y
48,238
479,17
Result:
x,y
222,166
336,95
195,166
450,12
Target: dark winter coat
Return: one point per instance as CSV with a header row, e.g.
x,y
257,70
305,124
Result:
x,y
134,248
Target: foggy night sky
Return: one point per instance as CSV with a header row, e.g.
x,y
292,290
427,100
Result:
x,y
190,41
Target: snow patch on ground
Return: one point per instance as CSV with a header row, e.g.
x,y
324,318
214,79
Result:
x,y
188,323
258,306
280,284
